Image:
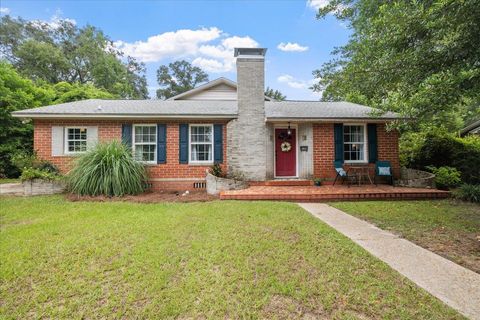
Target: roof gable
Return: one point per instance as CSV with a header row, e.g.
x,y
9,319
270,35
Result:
x,y
218,89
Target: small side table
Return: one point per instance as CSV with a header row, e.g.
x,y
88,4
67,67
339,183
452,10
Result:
x,y
360,173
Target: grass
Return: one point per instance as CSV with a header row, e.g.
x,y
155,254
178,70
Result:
x,y
449,228
5,180
65,259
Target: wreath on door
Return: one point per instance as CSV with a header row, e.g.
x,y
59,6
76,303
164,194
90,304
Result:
x,y
286,146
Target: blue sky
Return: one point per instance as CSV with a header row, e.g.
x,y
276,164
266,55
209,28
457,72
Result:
x,y
204,33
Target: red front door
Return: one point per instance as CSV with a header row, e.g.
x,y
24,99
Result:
x,y
285,153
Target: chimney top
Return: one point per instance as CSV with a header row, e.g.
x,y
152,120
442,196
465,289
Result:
x,y
250,52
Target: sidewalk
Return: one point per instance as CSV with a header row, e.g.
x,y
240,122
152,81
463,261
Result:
x,y
454,285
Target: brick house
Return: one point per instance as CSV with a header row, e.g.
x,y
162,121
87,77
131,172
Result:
x,y
233,124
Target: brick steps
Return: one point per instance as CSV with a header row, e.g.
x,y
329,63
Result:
x,y
336,197
282,183
328,193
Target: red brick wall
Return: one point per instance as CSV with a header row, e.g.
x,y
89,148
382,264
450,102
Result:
x,y
171,174
324,149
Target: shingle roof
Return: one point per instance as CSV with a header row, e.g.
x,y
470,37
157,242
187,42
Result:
x,y
206,109
136,109
317,110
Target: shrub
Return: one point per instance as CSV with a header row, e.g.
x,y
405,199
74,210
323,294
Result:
x,y
34,173
468,192
440,149
48,167
446,177
24,160
108,169
217,171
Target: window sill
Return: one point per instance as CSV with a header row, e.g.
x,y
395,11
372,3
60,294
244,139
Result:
x,y
355,162
200,164
73,154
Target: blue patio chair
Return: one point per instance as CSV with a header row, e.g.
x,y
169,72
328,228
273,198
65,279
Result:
x,y
341,173
383,169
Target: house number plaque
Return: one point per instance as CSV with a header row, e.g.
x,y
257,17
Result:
x,y
304,148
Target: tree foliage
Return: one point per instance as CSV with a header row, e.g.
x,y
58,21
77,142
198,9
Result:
x,y
63,52
275,94
18,93
417,58
178,77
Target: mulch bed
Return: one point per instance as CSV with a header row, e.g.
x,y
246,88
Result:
x,y
151,197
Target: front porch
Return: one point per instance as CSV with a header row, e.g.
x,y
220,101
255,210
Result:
x,y
308,193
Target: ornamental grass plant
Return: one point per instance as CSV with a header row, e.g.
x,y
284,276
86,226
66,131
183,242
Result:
x,y
108,169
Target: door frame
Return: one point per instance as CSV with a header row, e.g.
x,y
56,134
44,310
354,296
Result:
x,y
285,126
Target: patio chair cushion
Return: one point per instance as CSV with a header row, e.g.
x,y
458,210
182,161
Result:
x,y
341,172
384,171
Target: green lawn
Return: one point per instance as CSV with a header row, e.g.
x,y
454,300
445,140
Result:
x,y
65,259
449,228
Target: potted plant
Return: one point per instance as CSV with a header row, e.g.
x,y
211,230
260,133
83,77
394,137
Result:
x,y
317,182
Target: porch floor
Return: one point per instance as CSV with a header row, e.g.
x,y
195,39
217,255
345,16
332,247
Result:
x,y
332,193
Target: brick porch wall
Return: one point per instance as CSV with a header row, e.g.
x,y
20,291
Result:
x,y
324,149
171,175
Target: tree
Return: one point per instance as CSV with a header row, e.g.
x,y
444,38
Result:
x,y
67,92
178,77
17,93
65,52
275,94
417,58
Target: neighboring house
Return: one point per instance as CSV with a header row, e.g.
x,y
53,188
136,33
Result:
x,y
224,122
472,128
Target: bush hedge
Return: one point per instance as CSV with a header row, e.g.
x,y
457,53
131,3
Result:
x,y
107,169
468,192
446,178
445,150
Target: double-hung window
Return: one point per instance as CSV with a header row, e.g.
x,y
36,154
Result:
x,y
145,142
354,143
201,143
75,140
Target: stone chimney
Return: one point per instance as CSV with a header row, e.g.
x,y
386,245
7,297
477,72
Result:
x,y
247,135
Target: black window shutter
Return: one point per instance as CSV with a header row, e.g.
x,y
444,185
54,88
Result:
x,y
161,143
183,143
338,136
218,143
372,142
127,134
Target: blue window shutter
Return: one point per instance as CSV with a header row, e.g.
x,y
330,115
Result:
x,y
183,143
127,134
372,142
338,137
161,143
218,143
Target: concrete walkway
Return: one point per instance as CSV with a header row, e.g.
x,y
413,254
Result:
x,y
454,285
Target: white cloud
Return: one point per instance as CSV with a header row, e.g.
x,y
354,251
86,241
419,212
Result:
x,y
317,4
209,65
210,48
55,20
169,44
320,4
294,47
292,82
4,10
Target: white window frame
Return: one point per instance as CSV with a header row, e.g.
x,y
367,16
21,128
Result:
x,y
190,143
134,144
66,140
365,142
